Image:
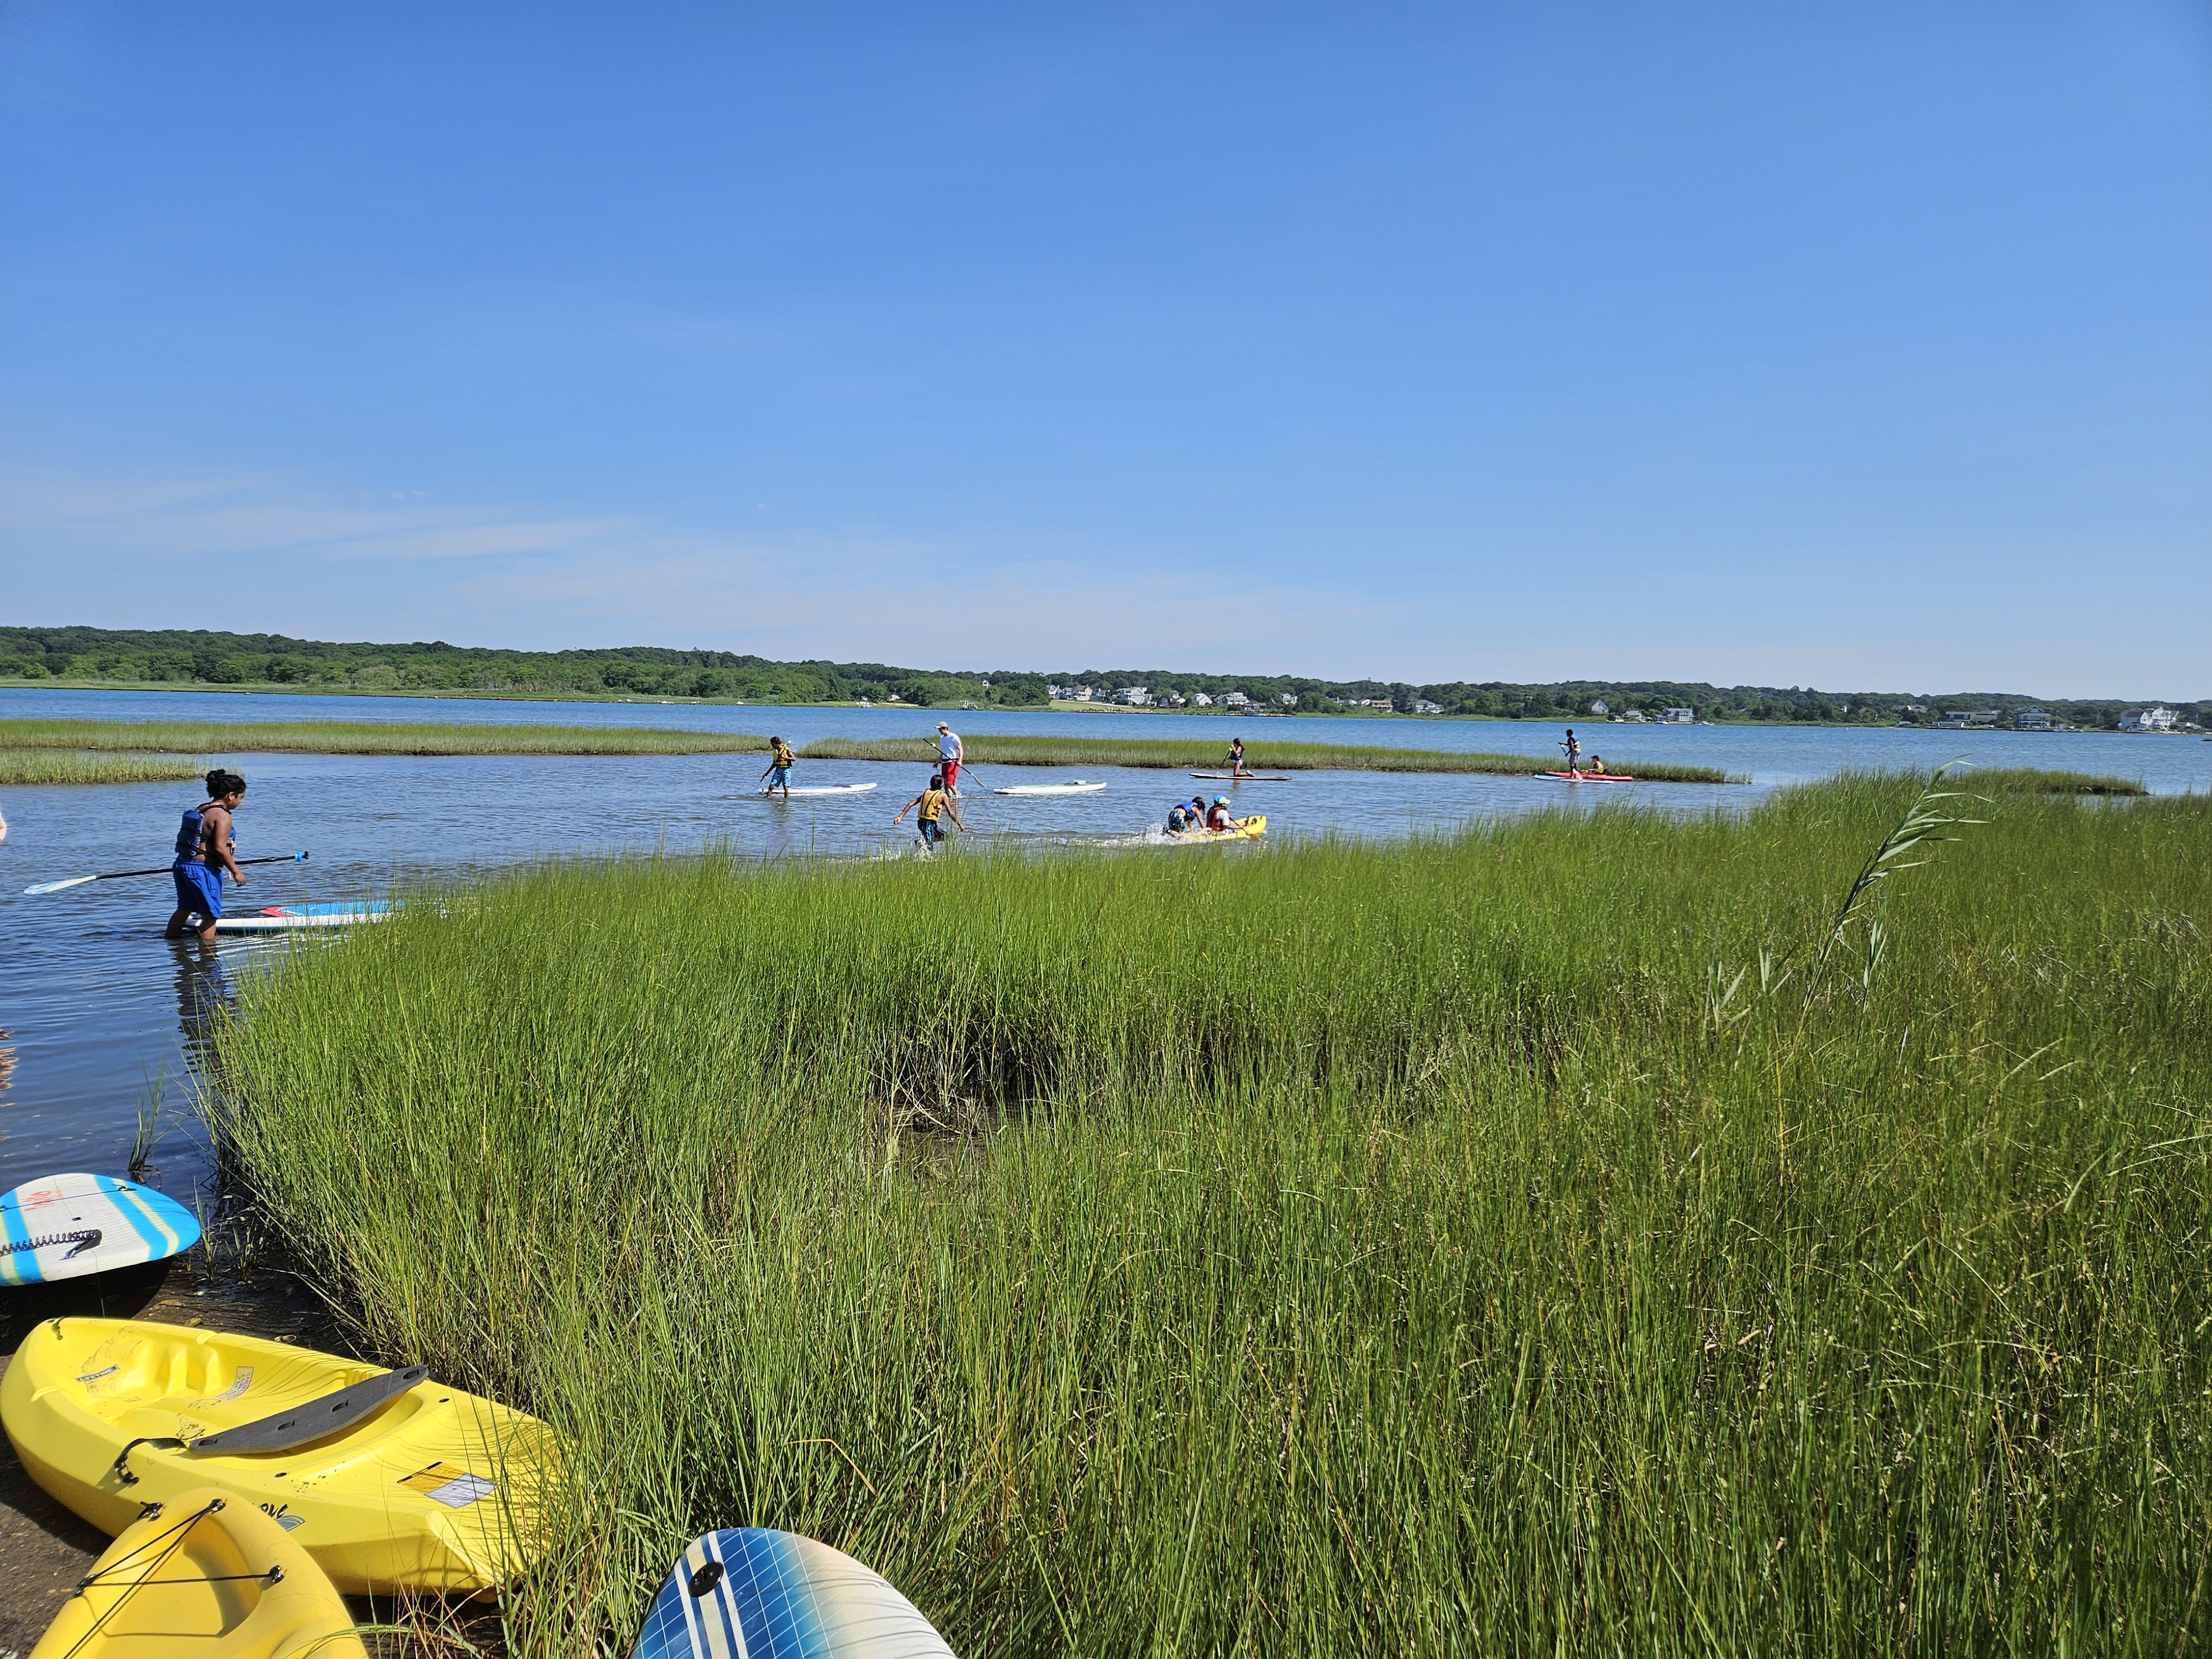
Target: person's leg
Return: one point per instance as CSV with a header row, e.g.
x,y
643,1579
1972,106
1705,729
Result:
x,y
952,776
188,900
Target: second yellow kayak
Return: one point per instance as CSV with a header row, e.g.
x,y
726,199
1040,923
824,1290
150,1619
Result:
x,y
429,1488
206,1576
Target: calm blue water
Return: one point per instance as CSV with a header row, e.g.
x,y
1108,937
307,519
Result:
x,y
97,1011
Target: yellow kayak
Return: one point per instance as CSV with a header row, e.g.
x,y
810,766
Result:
x,y
206,1576
390,1480
1249,829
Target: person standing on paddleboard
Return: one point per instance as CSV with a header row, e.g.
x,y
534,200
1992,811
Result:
x,y
1574,748
935,802
779,762
951,751
206,847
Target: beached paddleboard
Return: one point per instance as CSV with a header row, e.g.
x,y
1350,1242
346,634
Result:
x,y
1588,777
204,1575
1249,777
1079,788
768,1594
390,1481
283,918
68,1226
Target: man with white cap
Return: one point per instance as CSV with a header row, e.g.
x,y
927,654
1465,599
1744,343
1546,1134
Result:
x,y
950,754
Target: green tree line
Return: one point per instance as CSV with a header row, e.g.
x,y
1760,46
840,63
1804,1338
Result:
x,y
197,656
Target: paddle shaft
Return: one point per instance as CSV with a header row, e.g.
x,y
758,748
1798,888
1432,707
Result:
x,y
163,870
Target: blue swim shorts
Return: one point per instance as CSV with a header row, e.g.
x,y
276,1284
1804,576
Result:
x,y
199,888
780,778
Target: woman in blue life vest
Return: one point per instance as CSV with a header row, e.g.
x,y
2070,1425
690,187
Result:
x,y
207,845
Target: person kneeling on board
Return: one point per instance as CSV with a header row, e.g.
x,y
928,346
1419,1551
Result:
x,y
934,803
206,847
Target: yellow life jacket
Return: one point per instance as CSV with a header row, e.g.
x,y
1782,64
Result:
x,y
933,803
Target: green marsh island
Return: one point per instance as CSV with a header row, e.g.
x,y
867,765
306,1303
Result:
x,y
1782,1232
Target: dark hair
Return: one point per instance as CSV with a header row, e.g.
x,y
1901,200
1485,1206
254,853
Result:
x,y
222,781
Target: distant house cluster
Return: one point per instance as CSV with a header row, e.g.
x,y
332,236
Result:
x,y
2154,718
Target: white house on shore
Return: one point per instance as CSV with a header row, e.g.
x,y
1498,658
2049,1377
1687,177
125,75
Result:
x,y
2154,718
1678,717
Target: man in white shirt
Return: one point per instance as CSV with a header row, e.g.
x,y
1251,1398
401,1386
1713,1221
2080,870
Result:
x,y
950,754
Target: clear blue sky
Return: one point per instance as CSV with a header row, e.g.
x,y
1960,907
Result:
x,y
1860,345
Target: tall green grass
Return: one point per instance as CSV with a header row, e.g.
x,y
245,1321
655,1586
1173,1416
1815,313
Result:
x,y
365,738
1337,1250
44,766
1175,752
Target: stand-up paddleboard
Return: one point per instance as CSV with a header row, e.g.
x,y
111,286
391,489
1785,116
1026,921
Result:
x,y
776,1595
1589,777
68,1226
1247,777
1079,788
819,789
282,918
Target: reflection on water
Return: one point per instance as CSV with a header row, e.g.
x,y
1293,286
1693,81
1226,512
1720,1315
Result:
x,y
203,996
7,1062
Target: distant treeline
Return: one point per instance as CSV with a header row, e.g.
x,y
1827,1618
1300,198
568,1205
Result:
x,y
200,658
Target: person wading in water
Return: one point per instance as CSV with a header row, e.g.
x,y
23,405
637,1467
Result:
x,y
206,847
935,803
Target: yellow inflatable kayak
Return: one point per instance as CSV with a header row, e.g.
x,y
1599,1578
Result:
x,y
206,1576
390,1480
1249,829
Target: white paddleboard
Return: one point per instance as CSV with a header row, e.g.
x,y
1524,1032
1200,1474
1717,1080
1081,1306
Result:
x,y
68,1226
826,789
1079,788
285,918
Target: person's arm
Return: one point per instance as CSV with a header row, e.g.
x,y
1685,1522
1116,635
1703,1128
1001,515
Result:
x,y
908,808
215,841
954,809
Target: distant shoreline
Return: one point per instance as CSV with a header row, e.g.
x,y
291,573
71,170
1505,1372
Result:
x,y
273,689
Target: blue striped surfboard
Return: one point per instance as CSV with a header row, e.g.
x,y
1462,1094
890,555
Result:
x,y
68,1226
749,1593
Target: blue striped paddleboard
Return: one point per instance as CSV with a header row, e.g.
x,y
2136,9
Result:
x,y
749,1593
283,918
68,1226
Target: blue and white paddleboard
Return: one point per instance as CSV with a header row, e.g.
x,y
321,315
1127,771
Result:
x,y
281,918
68,1226
749,1593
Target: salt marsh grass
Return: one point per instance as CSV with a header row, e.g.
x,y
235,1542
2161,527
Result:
x,y
364,738
1207,753
45,766
1333,1250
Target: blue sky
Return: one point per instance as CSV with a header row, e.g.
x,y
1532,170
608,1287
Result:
x,y
1857,345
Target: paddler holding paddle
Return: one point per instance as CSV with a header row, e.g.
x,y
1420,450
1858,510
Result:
x,y
951,751
1574,752
1236,766
206,847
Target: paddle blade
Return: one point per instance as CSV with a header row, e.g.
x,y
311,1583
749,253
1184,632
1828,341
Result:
x,y
56,886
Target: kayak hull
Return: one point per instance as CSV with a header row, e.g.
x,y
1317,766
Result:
x,y
1251,829
435,1490
193,1580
